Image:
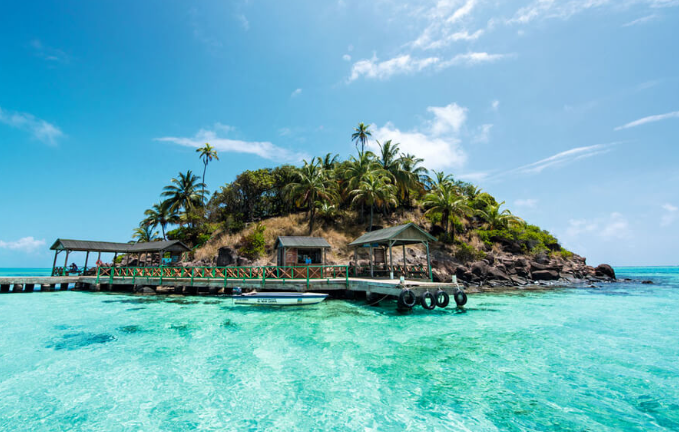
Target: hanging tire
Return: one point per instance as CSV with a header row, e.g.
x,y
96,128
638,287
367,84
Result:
x,y
460,298
423,300
407,299
442,299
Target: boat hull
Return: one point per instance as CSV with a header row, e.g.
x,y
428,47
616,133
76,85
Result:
x,y
279,299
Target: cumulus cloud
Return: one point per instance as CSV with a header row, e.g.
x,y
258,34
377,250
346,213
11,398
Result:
x,y
263,149
649,119
406,64
25,244
39,129
436,141
670,214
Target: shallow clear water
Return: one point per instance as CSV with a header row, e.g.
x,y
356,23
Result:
x,y
571,359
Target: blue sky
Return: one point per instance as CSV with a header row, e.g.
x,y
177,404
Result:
x,y
567,110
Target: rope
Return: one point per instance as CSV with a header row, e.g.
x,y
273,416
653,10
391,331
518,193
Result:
x,y
382,299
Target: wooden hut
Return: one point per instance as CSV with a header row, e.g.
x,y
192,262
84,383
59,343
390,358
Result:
x,y
294,250
381,242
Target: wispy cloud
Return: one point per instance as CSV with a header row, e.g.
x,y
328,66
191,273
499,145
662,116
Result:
x,y
38,128
641,20
482,134
649,119
406,64
565,157
436,140
495,105
25,244
202,35
49,54
296,93
346,57
243,21
263,149
670,214
526,203
613,226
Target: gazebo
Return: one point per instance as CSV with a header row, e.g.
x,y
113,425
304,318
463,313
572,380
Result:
x,y
175,247
387,238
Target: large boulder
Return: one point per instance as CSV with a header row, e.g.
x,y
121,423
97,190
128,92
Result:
x,y
497,274
545,275
226,256
479,268
604,270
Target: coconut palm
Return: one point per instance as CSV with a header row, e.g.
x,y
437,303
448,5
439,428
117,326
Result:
x,y
144,234
326,211
207,154
496,219
184,193
375,189
361,135
160,214
445,200
356,169
329,161
439,181
311,185
413,174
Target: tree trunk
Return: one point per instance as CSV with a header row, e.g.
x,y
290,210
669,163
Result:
x,y
162,227
371,217
204,170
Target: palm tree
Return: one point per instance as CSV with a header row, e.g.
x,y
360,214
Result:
x,y
445,200
439,181
160,214
207,153
356,169
184,193
329,161
375,190
311,184
361,135
144,234
496,219
413,174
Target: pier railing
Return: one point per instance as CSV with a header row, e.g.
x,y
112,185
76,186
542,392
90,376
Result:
x,y
416,271
192,274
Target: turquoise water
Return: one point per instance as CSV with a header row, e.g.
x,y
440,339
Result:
x,y
4,272
600,359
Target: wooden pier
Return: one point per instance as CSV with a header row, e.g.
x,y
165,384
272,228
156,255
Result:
x,y
222,280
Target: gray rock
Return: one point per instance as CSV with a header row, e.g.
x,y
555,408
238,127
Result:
x,y
604,270
545,275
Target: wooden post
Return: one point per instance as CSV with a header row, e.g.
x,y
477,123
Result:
x,y
63,273
391,263
87,258
371,261
54,264
405,265
426,244
115,255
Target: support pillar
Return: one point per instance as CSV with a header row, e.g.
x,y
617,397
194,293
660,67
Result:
x,y
17,288
371,262
65,263
4,288
87,258
46,287
391,263
428,262
405,264
63,287
54,263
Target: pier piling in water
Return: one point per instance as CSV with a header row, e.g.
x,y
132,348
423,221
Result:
x,y
18,288
4,288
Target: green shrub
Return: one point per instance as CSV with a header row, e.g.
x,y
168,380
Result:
x,y
530,238
566,254
252,245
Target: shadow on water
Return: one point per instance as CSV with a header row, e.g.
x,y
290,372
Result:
x,y
130,329
136,308
73,341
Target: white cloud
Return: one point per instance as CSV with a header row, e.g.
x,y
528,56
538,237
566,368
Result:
x,y
482,133
296,93
405,64
437,141
641,20
614,226
495,105
671,213
447,119
649,119
346,57
262,149
25,244
54,55
40,129
526,203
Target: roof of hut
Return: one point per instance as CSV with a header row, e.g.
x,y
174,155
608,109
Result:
x,y
301,242
403,234
102,246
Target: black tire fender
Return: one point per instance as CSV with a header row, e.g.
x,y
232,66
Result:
x,y
407,298
460,298
442,299
423,300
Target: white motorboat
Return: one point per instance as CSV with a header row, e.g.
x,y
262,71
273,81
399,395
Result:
x,y
279,299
